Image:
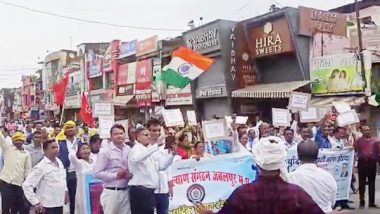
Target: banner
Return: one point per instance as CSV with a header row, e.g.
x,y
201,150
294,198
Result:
x,y
209,181
92,189
144,76
339,163
339,73
94,64
128,49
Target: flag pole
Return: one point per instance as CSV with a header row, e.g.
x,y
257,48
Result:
x,y
63,110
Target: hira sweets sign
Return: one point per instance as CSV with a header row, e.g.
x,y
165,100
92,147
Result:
x,y
271,38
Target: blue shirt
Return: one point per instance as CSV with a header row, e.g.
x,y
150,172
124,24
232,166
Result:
x,y
322,141
219,147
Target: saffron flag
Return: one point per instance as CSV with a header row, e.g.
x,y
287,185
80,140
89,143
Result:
x,y
59,90
85,112
185,66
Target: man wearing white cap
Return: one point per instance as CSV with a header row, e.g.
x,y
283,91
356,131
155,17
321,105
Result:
x,y
270,194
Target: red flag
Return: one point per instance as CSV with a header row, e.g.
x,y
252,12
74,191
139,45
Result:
x,y
59,90
85,112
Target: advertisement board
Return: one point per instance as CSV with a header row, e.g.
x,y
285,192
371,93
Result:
x,y
340,73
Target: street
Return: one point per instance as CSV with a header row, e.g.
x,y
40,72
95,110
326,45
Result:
x,y
355,198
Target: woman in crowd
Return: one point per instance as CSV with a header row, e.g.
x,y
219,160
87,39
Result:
x,y
82,164
200,151
184,138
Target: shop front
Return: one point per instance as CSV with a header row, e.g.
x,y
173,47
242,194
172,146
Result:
x,y
280,59
212,88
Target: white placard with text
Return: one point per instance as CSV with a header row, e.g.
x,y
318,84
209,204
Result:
x,y
215,130
347,118
311,115
103,109
299,101
280,117
105,125
191,118
173,117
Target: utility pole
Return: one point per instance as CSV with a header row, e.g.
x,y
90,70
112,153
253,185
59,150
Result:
x,y
361,57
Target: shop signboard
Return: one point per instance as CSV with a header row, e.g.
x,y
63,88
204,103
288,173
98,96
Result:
x,y
338,74
94,64
177,96
371,40
212,91
203,40
127,74
143,76
144,100
147,46
313,21
73,101
128,49
128,89
240,58
271,38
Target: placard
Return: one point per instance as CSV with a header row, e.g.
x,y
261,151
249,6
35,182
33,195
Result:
x,y
347,118
191,118
241,120
215,130
103,109
309,116
299,101
280,117
105,125
173,117
341,107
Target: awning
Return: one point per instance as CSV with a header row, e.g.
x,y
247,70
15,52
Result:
x,y
122,100
273,90
327,101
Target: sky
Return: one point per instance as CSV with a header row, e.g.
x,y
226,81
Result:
x,y
27,37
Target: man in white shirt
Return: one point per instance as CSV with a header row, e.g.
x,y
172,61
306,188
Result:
x,y
162,192
48,177
145,170
336,139
318,183
289,138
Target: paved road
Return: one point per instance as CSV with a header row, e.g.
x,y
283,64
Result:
x,y
355,198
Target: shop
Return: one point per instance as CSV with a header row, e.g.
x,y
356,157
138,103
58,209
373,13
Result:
x,y
281,61
212,89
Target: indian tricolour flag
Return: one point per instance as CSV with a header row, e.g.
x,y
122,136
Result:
x,y
185,66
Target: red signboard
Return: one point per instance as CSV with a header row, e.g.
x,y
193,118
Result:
x,y
144,76
123,75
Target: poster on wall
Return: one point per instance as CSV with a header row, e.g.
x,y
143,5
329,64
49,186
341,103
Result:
x,y
143,76
338,74
94,64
